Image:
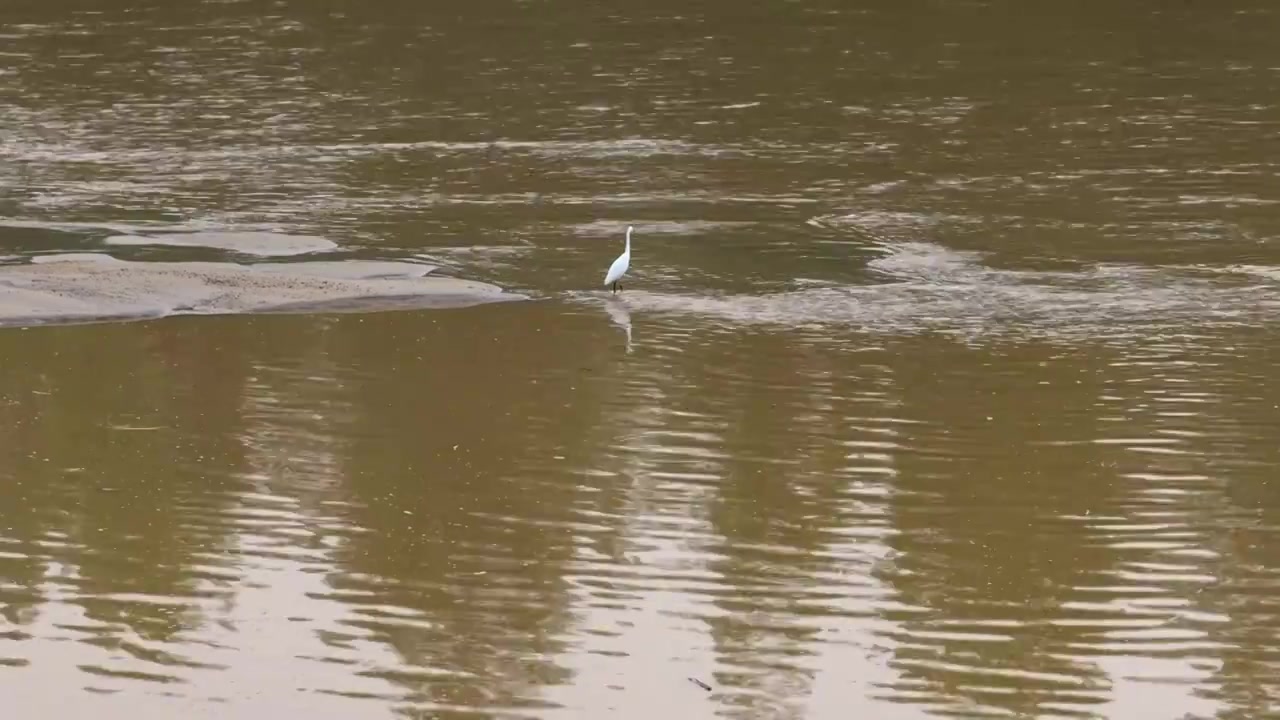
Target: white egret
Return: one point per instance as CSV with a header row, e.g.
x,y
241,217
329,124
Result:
x,y
619,266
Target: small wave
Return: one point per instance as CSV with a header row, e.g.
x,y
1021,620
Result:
x,y
265,244
933,289
659,227
883,220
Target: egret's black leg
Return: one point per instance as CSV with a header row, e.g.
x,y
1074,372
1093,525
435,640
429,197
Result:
x,y
615,286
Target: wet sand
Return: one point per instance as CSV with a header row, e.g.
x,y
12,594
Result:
x,y
87,287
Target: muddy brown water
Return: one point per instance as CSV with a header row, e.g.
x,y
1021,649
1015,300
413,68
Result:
x,y
943,382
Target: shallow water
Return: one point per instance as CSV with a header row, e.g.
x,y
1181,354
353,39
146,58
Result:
x,y
940,385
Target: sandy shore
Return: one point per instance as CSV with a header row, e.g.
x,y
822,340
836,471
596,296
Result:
x,y
95,287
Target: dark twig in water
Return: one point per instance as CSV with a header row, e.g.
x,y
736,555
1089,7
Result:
x,y
700,684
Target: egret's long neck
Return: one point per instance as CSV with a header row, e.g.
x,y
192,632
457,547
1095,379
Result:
x,y
628,240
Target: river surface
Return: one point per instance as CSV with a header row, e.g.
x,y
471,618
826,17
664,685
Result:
x,y
943,384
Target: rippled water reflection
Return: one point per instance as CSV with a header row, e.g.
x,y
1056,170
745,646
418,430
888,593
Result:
x,y
940,384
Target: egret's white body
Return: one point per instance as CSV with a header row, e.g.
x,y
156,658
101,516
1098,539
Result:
x,y
619,266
